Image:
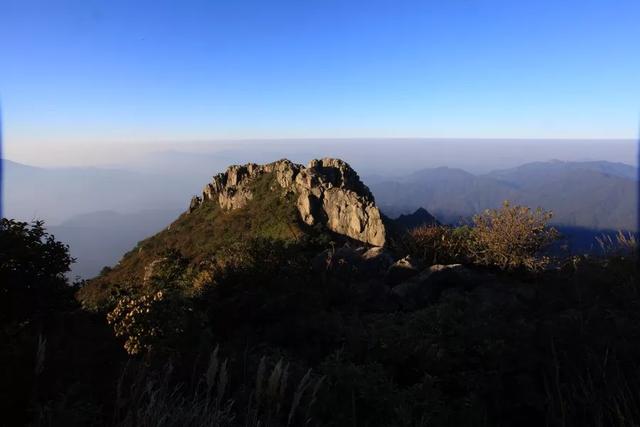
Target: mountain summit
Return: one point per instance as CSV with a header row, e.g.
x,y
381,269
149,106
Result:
x,y
280,201
327,191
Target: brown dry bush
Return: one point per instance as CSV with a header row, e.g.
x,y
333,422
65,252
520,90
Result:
x,y
512,237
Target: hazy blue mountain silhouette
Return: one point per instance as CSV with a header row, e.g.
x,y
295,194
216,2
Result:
x,y
57,194
589,195
421,217
541,170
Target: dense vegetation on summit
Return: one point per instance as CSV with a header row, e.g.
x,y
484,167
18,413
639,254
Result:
x,y
201,234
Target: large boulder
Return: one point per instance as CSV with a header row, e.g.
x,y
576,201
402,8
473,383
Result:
x,y
401,270
376,261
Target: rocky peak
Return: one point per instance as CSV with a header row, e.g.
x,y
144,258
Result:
x,y
421,217
328,191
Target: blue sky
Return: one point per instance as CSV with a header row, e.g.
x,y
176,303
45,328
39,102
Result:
x,y
120,71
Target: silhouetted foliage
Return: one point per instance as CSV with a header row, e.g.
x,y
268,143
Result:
x,y
32,270
55,360
297,347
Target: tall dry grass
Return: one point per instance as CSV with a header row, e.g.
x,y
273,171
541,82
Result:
x,y
149,400
623,243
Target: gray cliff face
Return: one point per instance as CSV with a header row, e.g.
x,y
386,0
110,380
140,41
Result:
x,y
329,192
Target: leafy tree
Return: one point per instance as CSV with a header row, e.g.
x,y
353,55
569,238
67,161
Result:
x,y
32,270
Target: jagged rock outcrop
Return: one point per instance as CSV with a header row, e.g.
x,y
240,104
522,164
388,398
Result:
x,y
195,202
328,191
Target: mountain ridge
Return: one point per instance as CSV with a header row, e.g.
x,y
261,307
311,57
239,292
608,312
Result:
x,y
606,204
594,194
280,201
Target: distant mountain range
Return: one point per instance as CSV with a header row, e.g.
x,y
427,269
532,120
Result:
x,y
591,195
58,194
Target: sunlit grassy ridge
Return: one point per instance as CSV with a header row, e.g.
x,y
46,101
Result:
x,y
207,230
270,214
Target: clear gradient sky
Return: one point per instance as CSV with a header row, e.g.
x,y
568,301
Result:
x,y
117,71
